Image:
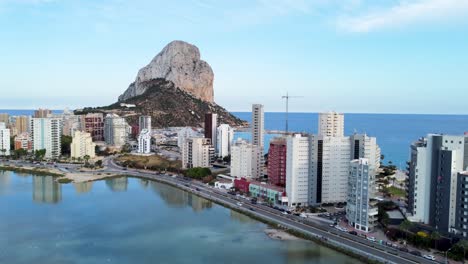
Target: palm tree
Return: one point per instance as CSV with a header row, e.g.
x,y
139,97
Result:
x,y
406,226
435,236
86,158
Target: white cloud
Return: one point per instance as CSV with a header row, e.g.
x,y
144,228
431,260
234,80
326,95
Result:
x,y
406,13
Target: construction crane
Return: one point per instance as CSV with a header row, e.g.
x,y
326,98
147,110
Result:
x,y
287,96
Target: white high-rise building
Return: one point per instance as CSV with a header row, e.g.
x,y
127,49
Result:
x,y
360,211
116,130
242,157
258,120
144,141
185,133
5,144
331,124
297,170
197,152
436,162
82,145
46,134
144,122
329,163
225,136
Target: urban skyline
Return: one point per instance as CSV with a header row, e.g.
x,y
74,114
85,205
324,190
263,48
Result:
x,y
345,48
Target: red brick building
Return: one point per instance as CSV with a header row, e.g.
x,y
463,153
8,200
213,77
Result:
x,y
94,124
277,162
242,185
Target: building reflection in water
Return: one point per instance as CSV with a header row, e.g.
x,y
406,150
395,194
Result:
x,y
5,179
144,183
178,198
46,190
117,184
241,218
83,187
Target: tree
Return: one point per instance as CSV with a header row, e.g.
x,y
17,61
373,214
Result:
x,y
3,151
126,148
19,153
39,154
65,144
406,226
98,163
227,159
435,236
86,158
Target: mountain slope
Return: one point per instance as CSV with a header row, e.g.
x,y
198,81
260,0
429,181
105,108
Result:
x,y
169,106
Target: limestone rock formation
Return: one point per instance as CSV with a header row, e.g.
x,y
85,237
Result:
x,y
180,63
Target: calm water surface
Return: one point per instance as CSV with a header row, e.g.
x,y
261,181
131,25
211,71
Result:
x,y
128,220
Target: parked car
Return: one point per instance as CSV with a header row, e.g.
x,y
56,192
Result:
x,y
353,233
372,239
416,253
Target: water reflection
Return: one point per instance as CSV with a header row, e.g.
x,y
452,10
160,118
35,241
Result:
x,y
46,190
144,183
83,187
117,184
4,182
241,218
177,198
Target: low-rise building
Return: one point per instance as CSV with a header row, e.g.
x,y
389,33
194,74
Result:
x,y
271,193
23,141
224,184
242,185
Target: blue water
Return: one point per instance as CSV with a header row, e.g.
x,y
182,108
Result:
x,y
127,220
394,132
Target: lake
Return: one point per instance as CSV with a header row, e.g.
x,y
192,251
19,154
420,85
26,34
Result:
x,y
128,220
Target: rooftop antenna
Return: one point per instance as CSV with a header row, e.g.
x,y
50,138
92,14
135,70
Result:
x,y
287,96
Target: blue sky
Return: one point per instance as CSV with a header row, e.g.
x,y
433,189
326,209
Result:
x,y
378,56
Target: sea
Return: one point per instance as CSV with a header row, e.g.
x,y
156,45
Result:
x,y
394,132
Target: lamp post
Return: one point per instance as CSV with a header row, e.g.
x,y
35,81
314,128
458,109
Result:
x,y
446,253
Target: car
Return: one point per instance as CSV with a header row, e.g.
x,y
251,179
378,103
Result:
x,y
403,249
372,239
416,253
239,204
429,257
285,213
251,209
332,225
354,233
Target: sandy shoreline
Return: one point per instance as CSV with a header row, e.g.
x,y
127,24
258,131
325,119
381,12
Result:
x,y
280,235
